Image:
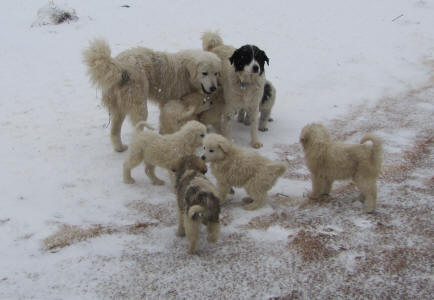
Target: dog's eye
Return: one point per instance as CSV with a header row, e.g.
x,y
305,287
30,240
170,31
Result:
x,y
216,74
202,135
205,73
210,150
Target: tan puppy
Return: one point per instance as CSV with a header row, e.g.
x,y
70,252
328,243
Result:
x,y
239,167
162,150
135,75
329,161
176,113
197,201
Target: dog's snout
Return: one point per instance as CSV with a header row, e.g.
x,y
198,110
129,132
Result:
x,y
255,69
212,89
204,172
203,157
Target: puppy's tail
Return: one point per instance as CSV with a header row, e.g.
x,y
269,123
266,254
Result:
x,y
141,125
377,149
277,168
103,70
195,211
210,40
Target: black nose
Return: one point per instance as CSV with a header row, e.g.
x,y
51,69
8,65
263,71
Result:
x,y
212,89
204,172
203,157
255,69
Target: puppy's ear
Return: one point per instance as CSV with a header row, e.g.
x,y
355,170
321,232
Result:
x,y
225,146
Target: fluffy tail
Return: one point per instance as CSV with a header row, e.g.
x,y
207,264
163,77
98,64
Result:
x,y
142,124
103,70
195,211
376,154
211,40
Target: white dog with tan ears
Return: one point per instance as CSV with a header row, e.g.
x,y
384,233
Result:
x,y
328,161
234,166
136,74
163,151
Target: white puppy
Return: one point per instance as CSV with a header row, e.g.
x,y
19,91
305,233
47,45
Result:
x,y
239,167
163,151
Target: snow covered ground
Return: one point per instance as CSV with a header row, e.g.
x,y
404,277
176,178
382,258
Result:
x,y
356,66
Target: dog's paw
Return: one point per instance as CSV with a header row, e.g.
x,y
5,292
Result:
x,y
313,196
180,233
250,204
129,180
212,239
270,119
247,122
257,145
368,208
263,128
121,148
158,182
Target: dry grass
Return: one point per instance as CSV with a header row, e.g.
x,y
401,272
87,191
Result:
x,y
312,247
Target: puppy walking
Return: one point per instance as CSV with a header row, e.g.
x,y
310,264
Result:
x,y
161,150
197,201
234,166
328,161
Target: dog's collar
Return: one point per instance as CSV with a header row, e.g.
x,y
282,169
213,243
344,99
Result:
x,y
243,84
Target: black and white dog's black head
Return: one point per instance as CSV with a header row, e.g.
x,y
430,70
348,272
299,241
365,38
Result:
x,y
250,59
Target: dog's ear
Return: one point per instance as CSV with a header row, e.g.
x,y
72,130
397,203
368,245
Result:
x,y
235,55
264,57
191,66
224,146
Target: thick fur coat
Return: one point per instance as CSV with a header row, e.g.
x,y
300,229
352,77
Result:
x,y
138,74
163,151
328,161
197,201
234,166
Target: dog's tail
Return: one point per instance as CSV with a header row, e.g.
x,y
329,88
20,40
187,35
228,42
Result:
x,y
377,146
195,211
103,70
277,168
210,40
141,125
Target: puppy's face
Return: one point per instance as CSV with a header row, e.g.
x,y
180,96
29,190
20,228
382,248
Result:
x,y
249,59
215,148
194,131
206,73
189,162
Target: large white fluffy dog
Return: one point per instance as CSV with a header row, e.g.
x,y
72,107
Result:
x,y
243,81
136,74
164,151
234,166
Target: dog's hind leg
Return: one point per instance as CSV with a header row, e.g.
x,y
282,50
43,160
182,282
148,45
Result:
x,y
320,186
117,118
264,119
181,229
254,117
368,189
150,171
241,115
223,190
192,232
133,160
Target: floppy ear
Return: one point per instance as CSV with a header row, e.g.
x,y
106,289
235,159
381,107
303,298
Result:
x,y
234,56
264,57
192,68
225,146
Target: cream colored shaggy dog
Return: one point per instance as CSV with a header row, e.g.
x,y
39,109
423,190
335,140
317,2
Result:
x,y
176,113
234,166
163,151
329,161
136,74
242,88
197,201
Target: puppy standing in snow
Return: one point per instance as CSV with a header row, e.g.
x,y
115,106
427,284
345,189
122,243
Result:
x,y
238,167
197,201
329,161
161,150
242,79
129,79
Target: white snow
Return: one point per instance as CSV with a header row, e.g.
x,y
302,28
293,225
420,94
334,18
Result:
x,y
58,167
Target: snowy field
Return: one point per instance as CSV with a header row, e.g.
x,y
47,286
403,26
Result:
x,y
355,66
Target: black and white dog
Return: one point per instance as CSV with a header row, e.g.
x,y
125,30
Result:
x,y
243,81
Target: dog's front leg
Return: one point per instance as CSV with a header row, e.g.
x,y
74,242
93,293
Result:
x,y
213,231
181,229
226,126
317,187
253,114
192,232
150,171
223,190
